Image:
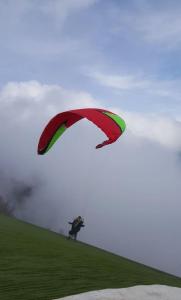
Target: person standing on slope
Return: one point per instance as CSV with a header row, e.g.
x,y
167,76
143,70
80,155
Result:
x,y
76,226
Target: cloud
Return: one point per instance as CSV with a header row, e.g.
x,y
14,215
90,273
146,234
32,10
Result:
x,y
155,24
161,95
122,82
160,28
161,129
32,96
126,192
14,194
26,98
37,28
59,10
25,109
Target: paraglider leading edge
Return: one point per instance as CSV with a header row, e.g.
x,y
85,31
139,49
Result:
x,y
110,123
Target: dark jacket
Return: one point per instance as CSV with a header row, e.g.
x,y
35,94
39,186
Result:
x,y
76,226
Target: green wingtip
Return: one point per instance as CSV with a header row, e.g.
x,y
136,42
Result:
x,y
56,136
121,123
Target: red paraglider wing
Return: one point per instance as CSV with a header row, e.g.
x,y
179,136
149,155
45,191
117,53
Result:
x,y
104,119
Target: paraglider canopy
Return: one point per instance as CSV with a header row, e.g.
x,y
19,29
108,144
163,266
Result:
x,y
111,124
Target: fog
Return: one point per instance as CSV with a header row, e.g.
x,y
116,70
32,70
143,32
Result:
x,y
128,193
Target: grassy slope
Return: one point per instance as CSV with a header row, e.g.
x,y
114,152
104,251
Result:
x,y
38,264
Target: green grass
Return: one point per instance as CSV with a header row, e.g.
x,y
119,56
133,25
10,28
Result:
x,y
38,264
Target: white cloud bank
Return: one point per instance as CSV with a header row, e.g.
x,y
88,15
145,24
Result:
x,y
163,130
152,292
136,180
26,98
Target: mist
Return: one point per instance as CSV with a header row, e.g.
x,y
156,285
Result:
x,y
128,193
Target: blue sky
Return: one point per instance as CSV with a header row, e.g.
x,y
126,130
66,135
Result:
x,y
126,53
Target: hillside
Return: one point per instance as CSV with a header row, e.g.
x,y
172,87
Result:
x,y
38,264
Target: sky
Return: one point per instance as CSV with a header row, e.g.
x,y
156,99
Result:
x,y
120,55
